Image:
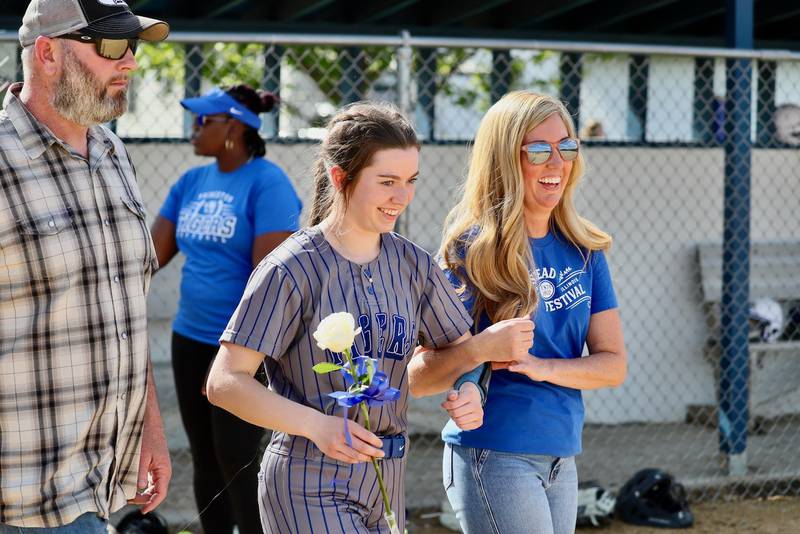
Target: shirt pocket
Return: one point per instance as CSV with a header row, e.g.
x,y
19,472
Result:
x,y
46,224
48,247
136,207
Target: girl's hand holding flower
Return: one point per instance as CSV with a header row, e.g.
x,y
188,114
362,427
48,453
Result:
x,y
327,433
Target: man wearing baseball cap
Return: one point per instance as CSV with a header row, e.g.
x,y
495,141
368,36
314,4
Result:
x,y
80,429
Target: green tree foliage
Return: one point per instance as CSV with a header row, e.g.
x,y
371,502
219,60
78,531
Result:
x,y
219,64
462,74
475,91
341,71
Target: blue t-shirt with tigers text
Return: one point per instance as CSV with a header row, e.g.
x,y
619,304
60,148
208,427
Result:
x,y
524,416
217,216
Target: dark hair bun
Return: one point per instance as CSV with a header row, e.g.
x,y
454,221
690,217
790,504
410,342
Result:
x,y
257,101
269,101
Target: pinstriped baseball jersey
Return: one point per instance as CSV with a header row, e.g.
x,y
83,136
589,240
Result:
x,y
399,299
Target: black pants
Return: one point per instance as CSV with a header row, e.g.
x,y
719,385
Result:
x,y
221,444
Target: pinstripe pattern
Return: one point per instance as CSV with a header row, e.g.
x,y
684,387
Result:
x,y
345,499
75,265
399,299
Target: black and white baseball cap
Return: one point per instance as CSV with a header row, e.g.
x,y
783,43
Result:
x,y
98,18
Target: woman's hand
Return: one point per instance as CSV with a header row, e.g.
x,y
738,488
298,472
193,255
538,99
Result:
x,y
537,369
327,432
464,406
606,365
507,340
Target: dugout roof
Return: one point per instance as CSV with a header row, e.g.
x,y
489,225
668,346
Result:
x,y
667,22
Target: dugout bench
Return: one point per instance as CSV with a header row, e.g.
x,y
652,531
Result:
x,y
774,274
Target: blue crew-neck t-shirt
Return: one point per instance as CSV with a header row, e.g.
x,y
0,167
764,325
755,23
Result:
x,y
524,416
217,216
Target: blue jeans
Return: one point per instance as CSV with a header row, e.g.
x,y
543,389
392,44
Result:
x,y
496,492
88,523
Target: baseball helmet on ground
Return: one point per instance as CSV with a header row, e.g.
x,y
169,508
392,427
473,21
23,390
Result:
x,y
653,498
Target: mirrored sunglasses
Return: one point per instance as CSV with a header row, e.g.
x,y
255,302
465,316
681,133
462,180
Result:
x,y
105,47
539,152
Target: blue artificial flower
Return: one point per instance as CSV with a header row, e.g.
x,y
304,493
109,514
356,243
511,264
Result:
x,y
377,393
368,385
371,386
365,368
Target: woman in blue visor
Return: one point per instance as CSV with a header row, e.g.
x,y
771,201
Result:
x,y
224,217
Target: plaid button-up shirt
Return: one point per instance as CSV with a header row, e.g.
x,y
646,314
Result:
x,y
75,264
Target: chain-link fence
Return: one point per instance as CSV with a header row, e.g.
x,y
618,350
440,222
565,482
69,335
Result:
x,y
692,157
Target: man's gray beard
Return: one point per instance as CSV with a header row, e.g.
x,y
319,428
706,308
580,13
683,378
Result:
x,y
80,96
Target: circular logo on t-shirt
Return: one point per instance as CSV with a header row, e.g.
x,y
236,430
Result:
x,y
546,289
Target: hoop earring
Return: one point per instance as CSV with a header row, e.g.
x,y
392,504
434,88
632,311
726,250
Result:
x,y
229,144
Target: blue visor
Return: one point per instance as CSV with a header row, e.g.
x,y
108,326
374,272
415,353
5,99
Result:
x,y
218,101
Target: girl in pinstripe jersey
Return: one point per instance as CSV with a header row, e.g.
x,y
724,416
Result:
x,y
312,479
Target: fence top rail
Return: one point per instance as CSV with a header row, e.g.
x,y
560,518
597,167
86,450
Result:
x,y
406,39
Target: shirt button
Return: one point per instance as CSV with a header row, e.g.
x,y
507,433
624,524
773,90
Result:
x,y
116,279
124,335
123,396
106,222
51,223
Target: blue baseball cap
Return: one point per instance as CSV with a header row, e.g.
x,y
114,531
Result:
x,y
218,101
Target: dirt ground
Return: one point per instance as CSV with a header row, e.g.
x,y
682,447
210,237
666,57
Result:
x,y
774,515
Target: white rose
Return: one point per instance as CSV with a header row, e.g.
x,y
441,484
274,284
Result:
x,y
336,332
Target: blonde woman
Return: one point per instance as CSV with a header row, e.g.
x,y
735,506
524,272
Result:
x,y
515,246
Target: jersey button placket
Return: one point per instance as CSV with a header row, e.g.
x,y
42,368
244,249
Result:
x,y
368,281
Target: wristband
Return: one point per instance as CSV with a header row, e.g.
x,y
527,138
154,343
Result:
x,y
480,376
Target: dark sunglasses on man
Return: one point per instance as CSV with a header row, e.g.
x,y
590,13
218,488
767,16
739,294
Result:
x,y
539,152
106,47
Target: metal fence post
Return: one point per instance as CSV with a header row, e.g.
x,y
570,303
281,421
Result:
x,y
735,361
350,84
703,108
404,58
638,76
272,83
193,76
500,74
426,91
571,68
765,103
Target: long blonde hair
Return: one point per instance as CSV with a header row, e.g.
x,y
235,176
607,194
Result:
x,y
488,220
